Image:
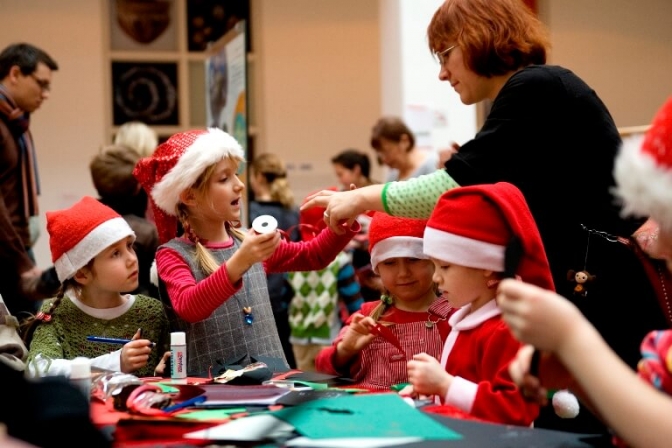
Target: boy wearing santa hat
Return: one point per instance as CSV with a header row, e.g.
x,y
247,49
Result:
x,y
376,342
467,238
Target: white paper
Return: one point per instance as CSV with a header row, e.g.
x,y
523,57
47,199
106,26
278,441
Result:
x,y
251,428
351,442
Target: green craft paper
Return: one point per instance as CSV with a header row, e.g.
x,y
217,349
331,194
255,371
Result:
x,y
366,415
210,414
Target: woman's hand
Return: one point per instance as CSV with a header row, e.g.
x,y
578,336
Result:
x,y
342,207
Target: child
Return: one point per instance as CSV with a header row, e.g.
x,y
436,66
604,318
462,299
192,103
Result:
x,y
274,197
215,274
353,167
637,412
92,250
112,175
466,238
314,312
409,308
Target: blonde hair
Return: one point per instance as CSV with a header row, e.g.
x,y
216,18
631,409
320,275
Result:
x,y
274,171
204,257
137,136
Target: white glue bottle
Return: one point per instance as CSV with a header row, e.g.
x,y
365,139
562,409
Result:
x,y
80,375
178,355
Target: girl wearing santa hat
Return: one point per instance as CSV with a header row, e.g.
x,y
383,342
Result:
x,y
474,235
92,250
213,274
637,412
375,343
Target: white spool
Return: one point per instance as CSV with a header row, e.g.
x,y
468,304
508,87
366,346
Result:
x,y
265,224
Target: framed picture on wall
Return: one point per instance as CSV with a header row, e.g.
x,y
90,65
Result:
x,y
141,25
145,91
209,20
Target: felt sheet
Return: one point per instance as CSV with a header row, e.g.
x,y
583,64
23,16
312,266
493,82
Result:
x,y
369,415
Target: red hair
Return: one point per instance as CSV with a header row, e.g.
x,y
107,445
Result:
x,y
496,36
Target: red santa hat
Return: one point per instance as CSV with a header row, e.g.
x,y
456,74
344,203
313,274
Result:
x,y
391,237
175,166
643,171
79,233
472,226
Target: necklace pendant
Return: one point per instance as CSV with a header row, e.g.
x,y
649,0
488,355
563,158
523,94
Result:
x,y
247,315
429,324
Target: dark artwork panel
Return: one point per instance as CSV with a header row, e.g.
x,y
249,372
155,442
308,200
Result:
x,y
208,20
146,92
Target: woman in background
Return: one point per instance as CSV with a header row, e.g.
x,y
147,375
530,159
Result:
x,y
274,197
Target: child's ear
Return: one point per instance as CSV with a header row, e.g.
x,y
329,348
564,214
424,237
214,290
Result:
x,y
83,276
188,197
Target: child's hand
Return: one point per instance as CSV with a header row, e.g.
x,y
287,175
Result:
x,y
537,316
358,334
529,385
135,354
258,247
427,375
162,367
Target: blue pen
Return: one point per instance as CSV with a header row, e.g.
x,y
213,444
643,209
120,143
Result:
x,y
185,404
112,340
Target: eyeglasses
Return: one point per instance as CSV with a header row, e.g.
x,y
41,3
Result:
x,y
442,56
42,83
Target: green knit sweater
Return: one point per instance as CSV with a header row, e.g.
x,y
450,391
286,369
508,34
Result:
x,y
64,336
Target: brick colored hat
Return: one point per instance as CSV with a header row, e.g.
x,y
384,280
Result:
x,y
79,233
391,237
472,226
175,166
643,170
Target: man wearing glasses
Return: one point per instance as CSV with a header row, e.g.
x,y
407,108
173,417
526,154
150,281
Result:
x,y
25,80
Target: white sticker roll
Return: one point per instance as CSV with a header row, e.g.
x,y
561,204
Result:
x,y
265,224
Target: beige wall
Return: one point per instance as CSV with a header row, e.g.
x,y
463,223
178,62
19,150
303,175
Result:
x,y
622,48
317,77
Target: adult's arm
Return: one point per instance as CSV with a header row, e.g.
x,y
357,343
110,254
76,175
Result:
x,y
412,198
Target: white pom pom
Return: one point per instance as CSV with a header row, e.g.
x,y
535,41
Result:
x,y
154,274
565,404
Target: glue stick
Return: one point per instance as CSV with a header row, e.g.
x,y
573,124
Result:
x,y
178,355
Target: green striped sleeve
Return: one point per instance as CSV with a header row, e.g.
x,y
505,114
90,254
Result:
x,y
416,197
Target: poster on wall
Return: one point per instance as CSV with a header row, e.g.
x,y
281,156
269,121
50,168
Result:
x,y
146,92
226,84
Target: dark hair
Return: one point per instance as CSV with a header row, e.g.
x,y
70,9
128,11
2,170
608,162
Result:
x,y
350,158
392,129
26,57
496,36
